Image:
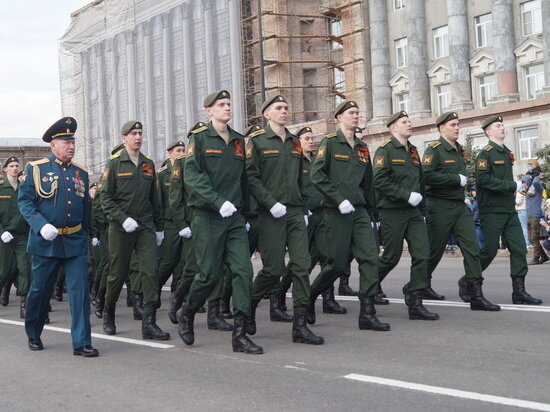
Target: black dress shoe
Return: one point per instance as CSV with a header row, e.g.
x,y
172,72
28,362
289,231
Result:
x,y
35,344
87,351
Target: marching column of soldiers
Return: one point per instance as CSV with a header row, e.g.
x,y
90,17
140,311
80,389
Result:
x,y
213,204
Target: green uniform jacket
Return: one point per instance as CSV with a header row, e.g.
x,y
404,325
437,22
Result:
x,y
442,163
397,173
215,172
178,196
163,182
275,170
495,183
10,217
98,216
341,172
130,191
313,196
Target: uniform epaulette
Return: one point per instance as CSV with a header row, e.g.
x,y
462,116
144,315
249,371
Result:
x,y
435,144
162,169
148,157
182,156
200,129
40,162
80,167
385,143
330,136
257,133
1,181
114,156
488,147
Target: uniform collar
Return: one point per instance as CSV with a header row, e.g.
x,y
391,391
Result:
x,y
449,146
342,138
212,132
269,133
398,144
124,156
59,162
497,146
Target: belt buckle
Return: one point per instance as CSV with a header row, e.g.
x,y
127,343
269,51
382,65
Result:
x,y
65,231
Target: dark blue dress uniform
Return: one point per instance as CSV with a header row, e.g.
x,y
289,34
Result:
x,y
57,193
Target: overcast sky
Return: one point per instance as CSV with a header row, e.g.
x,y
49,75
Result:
x,y
29,72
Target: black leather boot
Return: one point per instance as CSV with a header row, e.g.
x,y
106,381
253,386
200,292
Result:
x,y
416,309
149,327
251,320
225,305
214,320
380,297
129,298
429,293
186,320
275,313
329,303
519,295
138,306
463,290
344,289
310,314
5,295
176,301
300,331
109,318
22,307
99,303
241,342
58,290
282,297
367,316
478,301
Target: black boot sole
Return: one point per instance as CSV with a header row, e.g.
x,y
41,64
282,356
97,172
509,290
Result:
x,y
308,342
377,329
522,301
241,350
109,332
484,308
223,329
188,338
420,317
151,337
335,312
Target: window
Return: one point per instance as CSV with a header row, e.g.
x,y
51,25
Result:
x,y
528,142
402,102
401,52
443,97
335,29
398,4
534,75
484,30
339,78
487,89
441,42
531,17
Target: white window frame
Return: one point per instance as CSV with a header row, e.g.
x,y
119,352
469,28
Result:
x,y
398,4
529,140
538,80
402,102
442,95
335,29
401,49
484,31
487,91
531,15
441,41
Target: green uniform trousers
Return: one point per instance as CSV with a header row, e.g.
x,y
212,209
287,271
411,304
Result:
x,y
408,224
14,258
495,225
452,216
121,246
220,241
275,236
170,253
134,280
343,238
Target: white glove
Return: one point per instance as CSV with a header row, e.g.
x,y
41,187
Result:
x,y
48,232
278,210
378,225
160,237
463,180
95,241
186,232
306,220
519,185
309,213
227,209
247,226
346,207
7,237
129,225
414,199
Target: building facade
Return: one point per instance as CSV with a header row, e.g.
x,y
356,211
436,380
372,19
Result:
x,y
25,149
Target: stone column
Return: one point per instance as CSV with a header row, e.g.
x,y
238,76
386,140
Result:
x,y
235,54
380,62
89,161
209,47
505,59
546,46
149,118
459,56
419,87
187,70
131,68
115,121
167,78
103,150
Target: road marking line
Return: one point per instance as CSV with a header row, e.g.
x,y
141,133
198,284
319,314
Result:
x,y
450,392
98,336
296,367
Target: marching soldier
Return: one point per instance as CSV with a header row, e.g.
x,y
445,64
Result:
x,y
400,194
275,173
131,202
445,176
55,201
14,234
496,198
342,172
215,176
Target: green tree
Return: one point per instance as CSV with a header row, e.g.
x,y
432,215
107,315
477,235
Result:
x,y
543,155
471,154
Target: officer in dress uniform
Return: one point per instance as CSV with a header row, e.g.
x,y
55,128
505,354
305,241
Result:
x,y
55,201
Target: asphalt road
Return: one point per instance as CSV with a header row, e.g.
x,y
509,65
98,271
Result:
x,y
465,361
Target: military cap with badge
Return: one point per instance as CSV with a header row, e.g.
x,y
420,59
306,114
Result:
x,y
10,160
345,105
173,145
490,120
304,130
395,117
129,126
213,97
446,117
275,99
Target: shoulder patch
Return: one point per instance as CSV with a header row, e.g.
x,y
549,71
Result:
x,y
114,156
435,144
148,157
80,167
488,147
379,161
176,173
321,152
482,164
200,129
40,162
182,156
330,136
385,143
427,160
257,133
